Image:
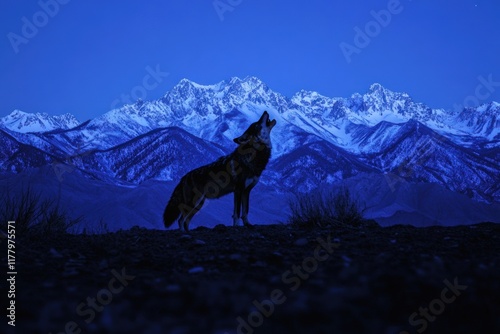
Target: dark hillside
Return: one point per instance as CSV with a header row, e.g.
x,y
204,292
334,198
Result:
x,y
269,279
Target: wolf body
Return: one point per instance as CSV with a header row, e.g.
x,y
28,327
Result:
x,y
235,173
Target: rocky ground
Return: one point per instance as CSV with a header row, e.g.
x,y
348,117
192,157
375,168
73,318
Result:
x,y
268,279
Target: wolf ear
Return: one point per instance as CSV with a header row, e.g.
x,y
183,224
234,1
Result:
x,y
243,139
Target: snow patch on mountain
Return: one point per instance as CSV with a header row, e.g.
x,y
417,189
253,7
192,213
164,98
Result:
x,y
24,122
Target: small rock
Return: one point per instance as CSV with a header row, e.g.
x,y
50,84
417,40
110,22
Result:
x,y
103,264
196,270
69,272
185,237
199,242
259,264
347,260
235,257
275,258
220,228
173,288
301,242
114,252
48,284
55,254
276,279
136,229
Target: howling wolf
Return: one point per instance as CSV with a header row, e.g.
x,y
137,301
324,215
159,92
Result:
x,y
237,172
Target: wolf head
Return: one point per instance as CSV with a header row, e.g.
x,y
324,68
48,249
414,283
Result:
x,y
258,132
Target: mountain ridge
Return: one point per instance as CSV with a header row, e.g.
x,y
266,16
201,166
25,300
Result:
x,y
370,108
24,122
318,141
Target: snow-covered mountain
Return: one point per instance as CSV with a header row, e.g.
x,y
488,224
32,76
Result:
x,y
317,141
169,154
482,122
23,122
376,105
217,112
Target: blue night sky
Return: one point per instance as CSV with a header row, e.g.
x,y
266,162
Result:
x,y
90,53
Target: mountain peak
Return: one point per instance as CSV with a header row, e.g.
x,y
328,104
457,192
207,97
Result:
x,y
378,89
188,83
494,106
375,87
24,122
312,99
17,112
248,83
253,79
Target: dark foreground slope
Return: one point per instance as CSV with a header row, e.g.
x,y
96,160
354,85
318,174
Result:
x,y
269,279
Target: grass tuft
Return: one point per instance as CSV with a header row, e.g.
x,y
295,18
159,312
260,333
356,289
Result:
x,y
328,208
35,215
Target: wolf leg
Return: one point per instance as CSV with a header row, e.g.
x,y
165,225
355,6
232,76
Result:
x,y
181,223
245,201
237,207
184,224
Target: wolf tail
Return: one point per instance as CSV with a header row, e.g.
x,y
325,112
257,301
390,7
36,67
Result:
x,y
172,210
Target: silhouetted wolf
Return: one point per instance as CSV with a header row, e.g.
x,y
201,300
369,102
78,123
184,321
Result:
x,y
237,172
